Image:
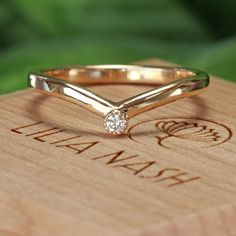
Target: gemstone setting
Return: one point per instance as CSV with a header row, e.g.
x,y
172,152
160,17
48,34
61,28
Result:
x,y
116,122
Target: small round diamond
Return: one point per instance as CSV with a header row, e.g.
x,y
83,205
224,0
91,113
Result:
x,y
116,122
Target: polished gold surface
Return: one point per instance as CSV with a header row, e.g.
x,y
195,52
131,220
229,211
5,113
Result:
x,y
172,83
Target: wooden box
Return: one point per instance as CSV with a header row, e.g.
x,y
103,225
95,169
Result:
x,y
174,174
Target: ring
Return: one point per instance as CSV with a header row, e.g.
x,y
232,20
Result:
x,y
172,83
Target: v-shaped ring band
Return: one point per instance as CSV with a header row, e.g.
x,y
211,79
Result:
x,y
68,83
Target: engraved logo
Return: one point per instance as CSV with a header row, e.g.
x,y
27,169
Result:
x,y
122,159
179,133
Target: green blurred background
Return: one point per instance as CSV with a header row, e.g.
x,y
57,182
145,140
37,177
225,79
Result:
x,y
38,34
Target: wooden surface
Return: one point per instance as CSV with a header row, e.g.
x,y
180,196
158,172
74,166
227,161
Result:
x,y
175,174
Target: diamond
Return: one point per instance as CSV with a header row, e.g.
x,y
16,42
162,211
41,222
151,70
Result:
x,y
116,122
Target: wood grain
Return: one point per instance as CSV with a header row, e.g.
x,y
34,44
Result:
x,y
175,174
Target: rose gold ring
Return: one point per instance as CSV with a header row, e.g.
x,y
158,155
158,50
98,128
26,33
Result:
x,y
172,83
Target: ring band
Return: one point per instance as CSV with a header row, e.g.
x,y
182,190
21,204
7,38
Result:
x,y
173,83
